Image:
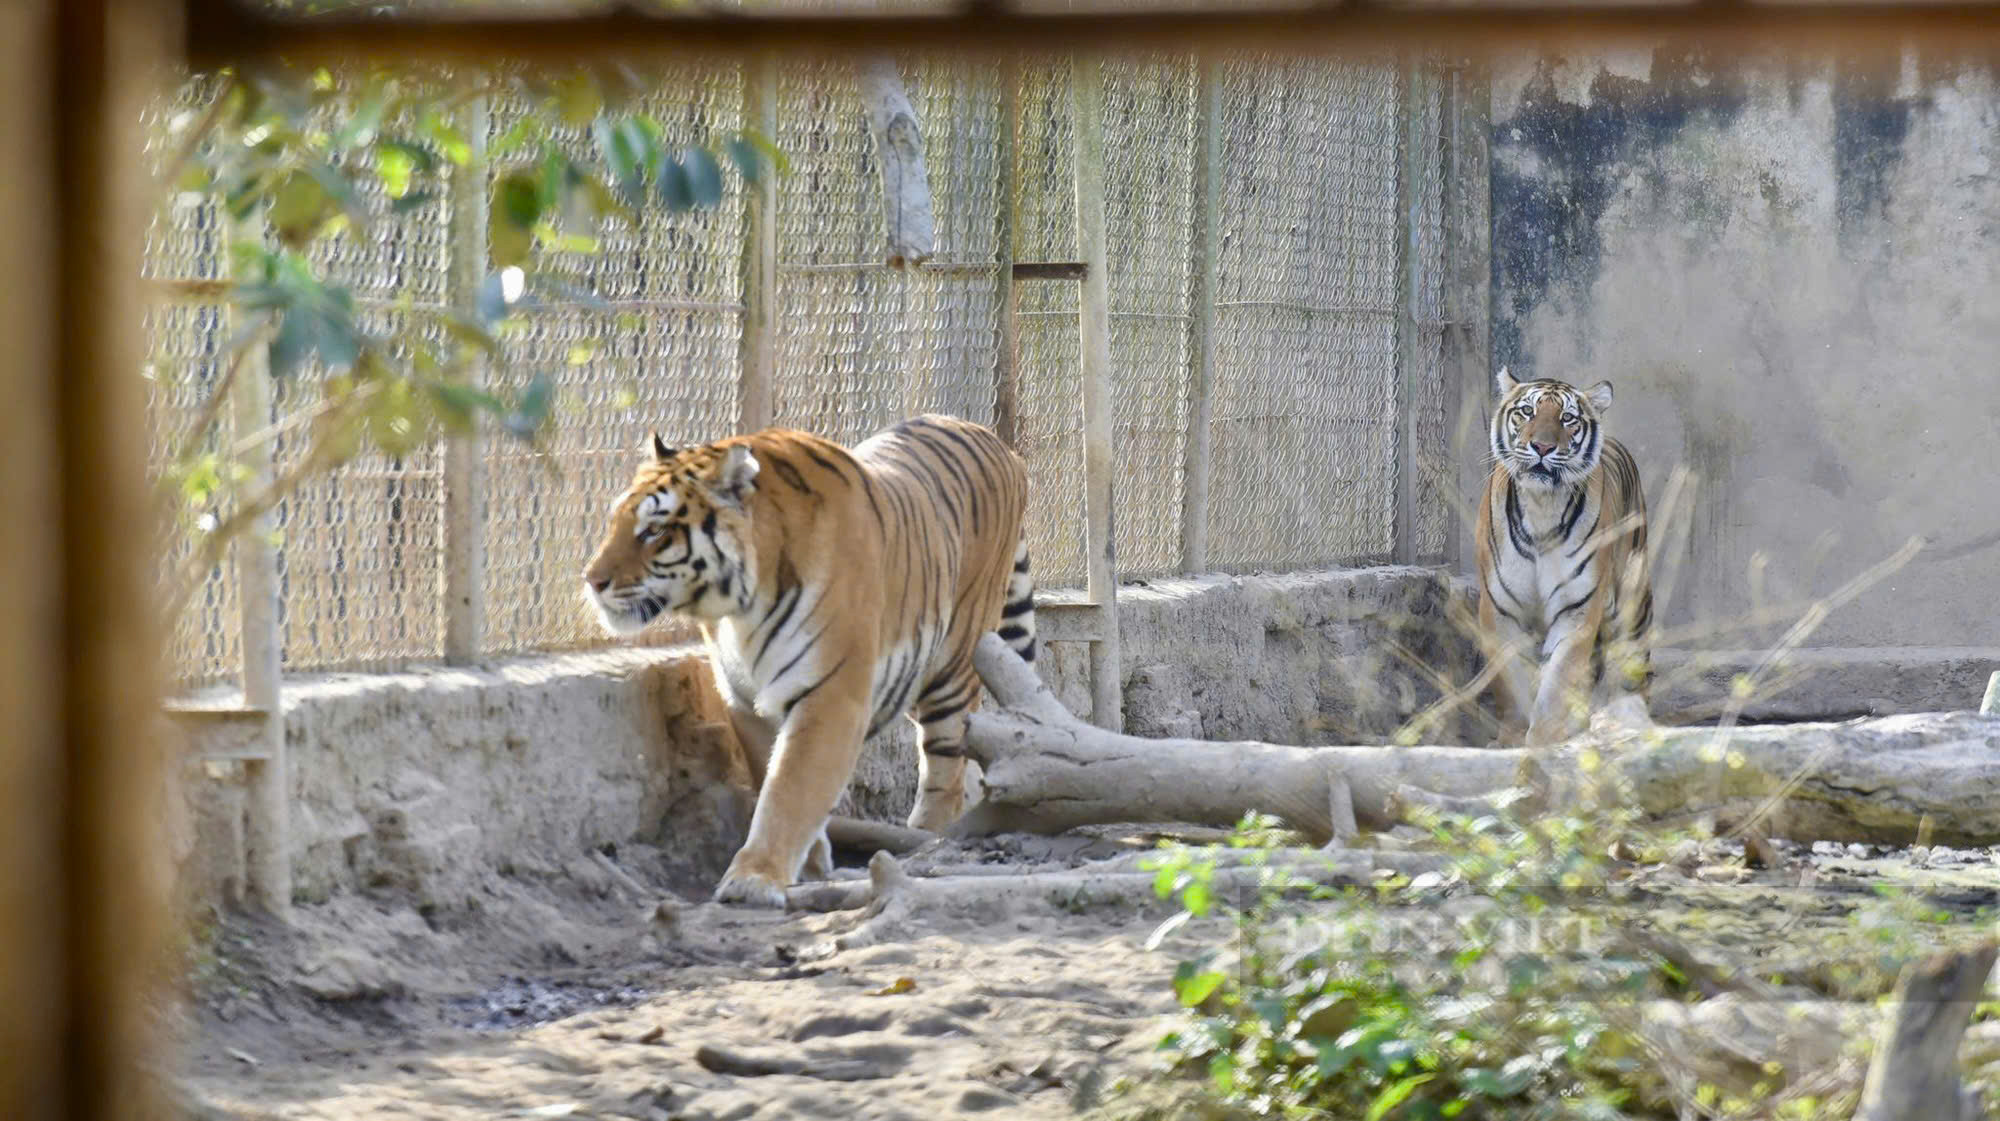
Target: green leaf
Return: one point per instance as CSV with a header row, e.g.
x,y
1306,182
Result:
x,y
533,409
704,177
1395,1096
1194,985
298,206
578,100
1198,898
525,131
360,128
411,201
671,180
517,206
394,166
744,155
770,150
615,144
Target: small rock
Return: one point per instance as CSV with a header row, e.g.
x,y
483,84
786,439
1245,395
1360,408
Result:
x,y
1920,856
1857,851
983,1099
652,1034
840,1023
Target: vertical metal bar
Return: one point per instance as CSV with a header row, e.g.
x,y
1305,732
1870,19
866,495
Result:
x,y
1408,146
464,568
759,348
268,862
1094,324
1007,354
1201,323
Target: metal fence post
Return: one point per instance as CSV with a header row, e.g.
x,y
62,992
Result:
x,y
1094,320
463,572
1201,323
759,348
267,841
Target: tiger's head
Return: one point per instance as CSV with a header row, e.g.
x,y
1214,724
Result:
x,y
1548,433
679,539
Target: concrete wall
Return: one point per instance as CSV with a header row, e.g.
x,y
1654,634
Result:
x,y
1790,270
429,782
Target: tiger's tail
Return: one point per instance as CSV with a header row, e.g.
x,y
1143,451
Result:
x,y
1017,617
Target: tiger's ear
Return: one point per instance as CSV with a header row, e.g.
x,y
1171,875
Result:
x,y
661,452
736,478
1506,381
1599,396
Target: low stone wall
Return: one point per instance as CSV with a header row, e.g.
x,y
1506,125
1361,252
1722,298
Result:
x,y
427,781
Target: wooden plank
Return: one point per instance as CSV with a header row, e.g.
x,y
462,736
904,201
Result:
x,y
1094,326
1468,357
759,346
464,483
1409,172
1051,270
1007,354
266,840
1201,327
228,32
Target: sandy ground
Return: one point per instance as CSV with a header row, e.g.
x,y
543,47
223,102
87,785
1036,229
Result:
x,y
570,996
567,999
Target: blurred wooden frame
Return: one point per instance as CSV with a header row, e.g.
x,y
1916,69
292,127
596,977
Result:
x,y
81,924
234,30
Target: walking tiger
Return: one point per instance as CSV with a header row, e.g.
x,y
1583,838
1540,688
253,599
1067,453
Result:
x,y
1562,563
836,590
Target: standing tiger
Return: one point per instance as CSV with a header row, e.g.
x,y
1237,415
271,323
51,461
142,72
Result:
x,y
1562,563
836,589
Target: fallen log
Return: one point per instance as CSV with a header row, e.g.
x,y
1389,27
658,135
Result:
x,y
1874,780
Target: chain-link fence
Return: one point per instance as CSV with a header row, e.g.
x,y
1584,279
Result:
x,y
1326,393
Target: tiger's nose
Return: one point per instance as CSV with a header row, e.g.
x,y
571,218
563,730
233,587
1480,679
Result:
x,y
597,585
1541,448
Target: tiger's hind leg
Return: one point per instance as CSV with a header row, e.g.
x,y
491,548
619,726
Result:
x,y
940,715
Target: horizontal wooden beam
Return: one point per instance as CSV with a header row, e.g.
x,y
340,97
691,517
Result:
x,y
1051,270
221,31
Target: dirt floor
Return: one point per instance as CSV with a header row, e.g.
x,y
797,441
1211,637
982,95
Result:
x,y
574,995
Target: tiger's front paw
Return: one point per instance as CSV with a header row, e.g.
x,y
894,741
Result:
x,y
750,887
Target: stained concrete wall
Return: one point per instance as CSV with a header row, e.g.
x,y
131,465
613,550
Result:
x,y
1790,271
428,783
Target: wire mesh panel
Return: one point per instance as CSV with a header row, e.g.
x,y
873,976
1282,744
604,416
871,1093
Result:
x,y
656,351
358,567
1438,503
185,241
1319,279
1304,390
1049,432
1150,145
861,346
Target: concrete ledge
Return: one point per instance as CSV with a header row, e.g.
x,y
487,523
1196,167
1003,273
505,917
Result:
x,y
1693,686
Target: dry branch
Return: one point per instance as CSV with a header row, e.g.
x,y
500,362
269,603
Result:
x,y
1914,1072
1868,781
899,149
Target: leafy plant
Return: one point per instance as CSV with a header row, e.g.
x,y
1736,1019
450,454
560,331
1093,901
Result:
x,y
1318,1016
295,158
